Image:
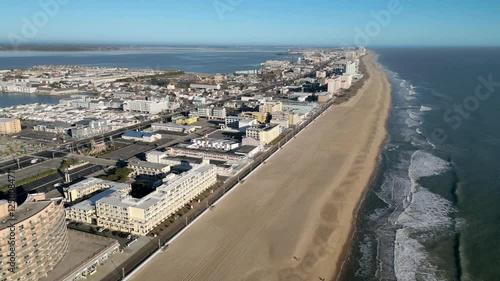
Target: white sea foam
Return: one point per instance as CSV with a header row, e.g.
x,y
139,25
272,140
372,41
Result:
x,y
412,122
424,164
425,108
411,260
367,258
426,216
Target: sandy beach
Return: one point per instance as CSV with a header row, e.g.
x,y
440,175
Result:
x,y
293,217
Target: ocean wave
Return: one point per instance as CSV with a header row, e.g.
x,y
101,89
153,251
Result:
x,y
425,164
425,108
426,217
410,122
411,259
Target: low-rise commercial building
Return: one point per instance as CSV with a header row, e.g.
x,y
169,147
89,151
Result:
x,y
88,128
324,97
205,86
173,127
183,120
141,136
215,143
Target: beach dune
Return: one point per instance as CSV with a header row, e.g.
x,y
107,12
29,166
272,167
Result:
x,y
292,218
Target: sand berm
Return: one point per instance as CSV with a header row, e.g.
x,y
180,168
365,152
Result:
x,y
293,217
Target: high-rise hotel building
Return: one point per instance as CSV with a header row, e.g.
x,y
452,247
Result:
x,y
33,238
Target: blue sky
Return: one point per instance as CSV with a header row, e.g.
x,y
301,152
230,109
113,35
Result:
x,y
253,22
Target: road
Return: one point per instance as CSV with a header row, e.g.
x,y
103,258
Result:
x,y
47,183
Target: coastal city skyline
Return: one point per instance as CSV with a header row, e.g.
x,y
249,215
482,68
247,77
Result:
x,y
227,140
221,22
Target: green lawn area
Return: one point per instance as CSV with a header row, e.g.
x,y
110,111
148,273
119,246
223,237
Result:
x,y
118,175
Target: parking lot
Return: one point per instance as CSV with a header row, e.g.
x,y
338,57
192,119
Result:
x,y
39,136
128,152
122,237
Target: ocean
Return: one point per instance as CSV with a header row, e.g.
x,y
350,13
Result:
x,y
209,60
432,211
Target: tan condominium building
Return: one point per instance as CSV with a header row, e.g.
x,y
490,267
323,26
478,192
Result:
x,y
33,238
259,116
140,216
9,126
270,107
292,117
265,134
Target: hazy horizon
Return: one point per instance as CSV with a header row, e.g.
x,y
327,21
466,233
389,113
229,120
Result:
x,y
320,23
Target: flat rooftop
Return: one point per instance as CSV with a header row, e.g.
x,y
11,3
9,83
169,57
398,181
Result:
x,y
145,164
83,248
6,119
23,212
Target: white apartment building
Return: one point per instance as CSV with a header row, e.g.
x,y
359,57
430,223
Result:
x,y
147,168
87,187
173,127
140,216
85,211
219,113
232,121
204,111
150,107
212,112
215,144
205,86
350,68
